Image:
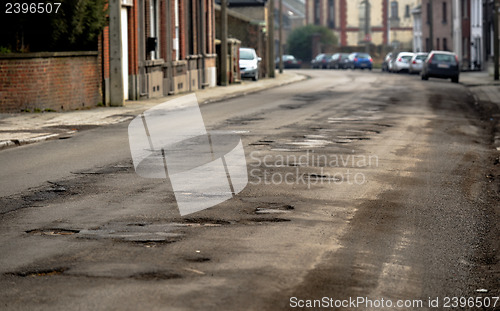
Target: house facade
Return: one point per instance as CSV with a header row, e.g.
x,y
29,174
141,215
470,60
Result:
x,y
381,22
417,29
167,47
459,26
437,25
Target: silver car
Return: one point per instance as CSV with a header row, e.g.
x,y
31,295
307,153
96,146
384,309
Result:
x,y
416,62
401,62
249,63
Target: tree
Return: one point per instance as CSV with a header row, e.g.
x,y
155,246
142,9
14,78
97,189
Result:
x,y
75,27
301,39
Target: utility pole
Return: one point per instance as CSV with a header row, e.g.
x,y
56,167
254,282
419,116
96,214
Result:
x,y
223,43
496,46
116,96
281,36
367,26
270,37
431,26
388,22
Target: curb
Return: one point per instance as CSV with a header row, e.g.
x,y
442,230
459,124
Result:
x,y
21,142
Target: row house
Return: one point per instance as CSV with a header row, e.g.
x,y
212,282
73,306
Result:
x,y
167,47
453,25
381,22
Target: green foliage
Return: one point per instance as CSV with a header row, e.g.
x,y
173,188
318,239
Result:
x,y
4,50
75,27
301,39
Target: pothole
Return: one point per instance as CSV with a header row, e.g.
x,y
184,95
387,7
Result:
x,y
197,259
137,232
264,220
39,273
274,208
205,222
157,275
327,177
262,143
56,231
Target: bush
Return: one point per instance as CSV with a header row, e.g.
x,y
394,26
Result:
x,y
301,39
75,27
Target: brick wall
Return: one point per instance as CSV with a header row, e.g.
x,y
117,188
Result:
x,y
58,81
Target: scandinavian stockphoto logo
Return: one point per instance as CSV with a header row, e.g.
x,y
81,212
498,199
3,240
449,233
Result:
x,y
170,141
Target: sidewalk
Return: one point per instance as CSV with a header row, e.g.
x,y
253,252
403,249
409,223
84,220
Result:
x,y
25,128
486,90
482,85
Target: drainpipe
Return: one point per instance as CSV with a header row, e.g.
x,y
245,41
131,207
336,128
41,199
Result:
x,y
223,43
115,54
170,40
270,36
203,44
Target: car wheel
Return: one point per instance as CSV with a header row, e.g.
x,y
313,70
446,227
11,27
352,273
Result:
x,y
256,77
454,79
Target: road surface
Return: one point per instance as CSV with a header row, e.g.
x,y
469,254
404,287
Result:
x,y
362,185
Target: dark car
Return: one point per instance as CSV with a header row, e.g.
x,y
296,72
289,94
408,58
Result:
x,y
387,60
360,61
289,62
338,61
441,64
320,61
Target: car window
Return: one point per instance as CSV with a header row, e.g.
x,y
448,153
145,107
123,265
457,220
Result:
x,y
421,57
444,58
407,57
335,57
246,54
362,55
320,56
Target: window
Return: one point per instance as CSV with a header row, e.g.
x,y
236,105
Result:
x,y
394,10
153,14
465,8
331,14
176,39
445,44
427,44
407,11
437,44
445,13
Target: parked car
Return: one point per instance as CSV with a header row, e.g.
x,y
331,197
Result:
x,y
338,61
249,63
441,64
387,60
401,62
289,61
360,61
320,61
417,62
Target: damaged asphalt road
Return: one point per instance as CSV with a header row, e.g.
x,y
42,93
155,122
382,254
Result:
x,y
390,192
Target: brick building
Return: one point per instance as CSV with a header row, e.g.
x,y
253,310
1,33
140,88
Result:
x,y
168,46
437,25
389,22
